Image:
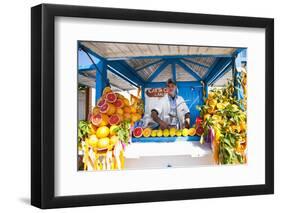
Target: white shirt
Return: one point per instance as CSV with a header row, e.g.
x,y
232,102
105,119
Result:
x,y
163,108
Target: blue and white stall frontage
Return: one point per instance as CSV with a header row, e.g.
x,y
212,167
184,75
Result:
x,y
130,66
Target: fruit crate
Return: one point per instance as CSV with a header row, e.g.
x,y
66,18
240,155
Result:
x,y
165,139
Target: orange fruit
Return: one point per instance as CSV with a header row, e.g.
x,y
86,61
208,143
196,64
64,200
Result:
x,y
119,111
92,129
126,102
135,117
146,132
127,109
96,110
106,90
127,116
133,109
192,131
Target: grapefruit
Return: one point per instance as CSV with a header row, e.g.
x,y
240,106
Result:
x,y
111,97
103,142
101,102
199,130
114,119
102,132
146,132
119,103
99,119
137,132
108,109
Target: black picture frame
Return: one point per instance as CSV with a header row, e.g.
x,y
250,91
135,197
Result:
x,y
43,105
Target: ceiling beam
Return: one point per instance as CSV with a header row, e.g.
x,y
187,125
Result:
x,y
218,69
166,56
196,63
148,65
189,70
158,71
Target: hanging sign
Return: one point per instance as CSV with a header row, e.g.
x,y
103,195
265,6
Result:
x,y
156,92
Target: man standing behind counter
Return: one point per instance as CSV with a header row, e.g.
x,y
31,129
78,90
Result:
x,y
172,110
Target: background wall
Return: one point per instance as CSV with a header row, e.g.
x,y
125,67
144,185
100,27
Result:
x,y
15,105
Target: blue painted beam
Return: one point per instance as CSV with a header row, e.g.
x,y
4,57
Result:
x,y
220,68
195,63
210,69
206,89
219,75
237,51
148,65
90,51
190,71
122,70
116,72
101,76
86,68
166,57
158,71
179,83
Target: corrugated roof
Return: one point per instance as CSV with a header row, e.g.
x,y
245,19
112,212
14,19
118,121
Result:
x,y
123,50
134,54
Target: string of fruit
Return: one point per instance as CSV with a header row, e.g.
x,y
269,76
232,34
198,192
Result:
x,y
224,123
109,123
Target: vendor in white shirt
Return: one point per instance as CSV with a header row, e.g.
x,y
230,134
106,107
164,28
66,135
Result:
x,y
172,110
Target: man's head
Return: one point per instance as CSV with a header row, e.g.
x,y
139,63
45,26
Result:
x,y
172,88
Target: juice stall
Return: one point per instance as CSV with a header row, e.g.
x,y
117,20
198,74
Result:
x,y
120,85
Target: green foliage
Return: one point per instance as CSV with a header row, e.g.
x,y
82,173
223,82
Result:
x,y
123,131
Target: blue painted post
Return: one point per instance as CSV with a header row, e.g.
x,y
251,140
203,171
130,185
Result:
x,y
101,77
206,89
238,89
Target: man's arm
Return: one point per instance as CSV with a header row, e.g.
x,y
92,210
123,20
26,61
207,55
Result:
x,y
155,117
187,120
